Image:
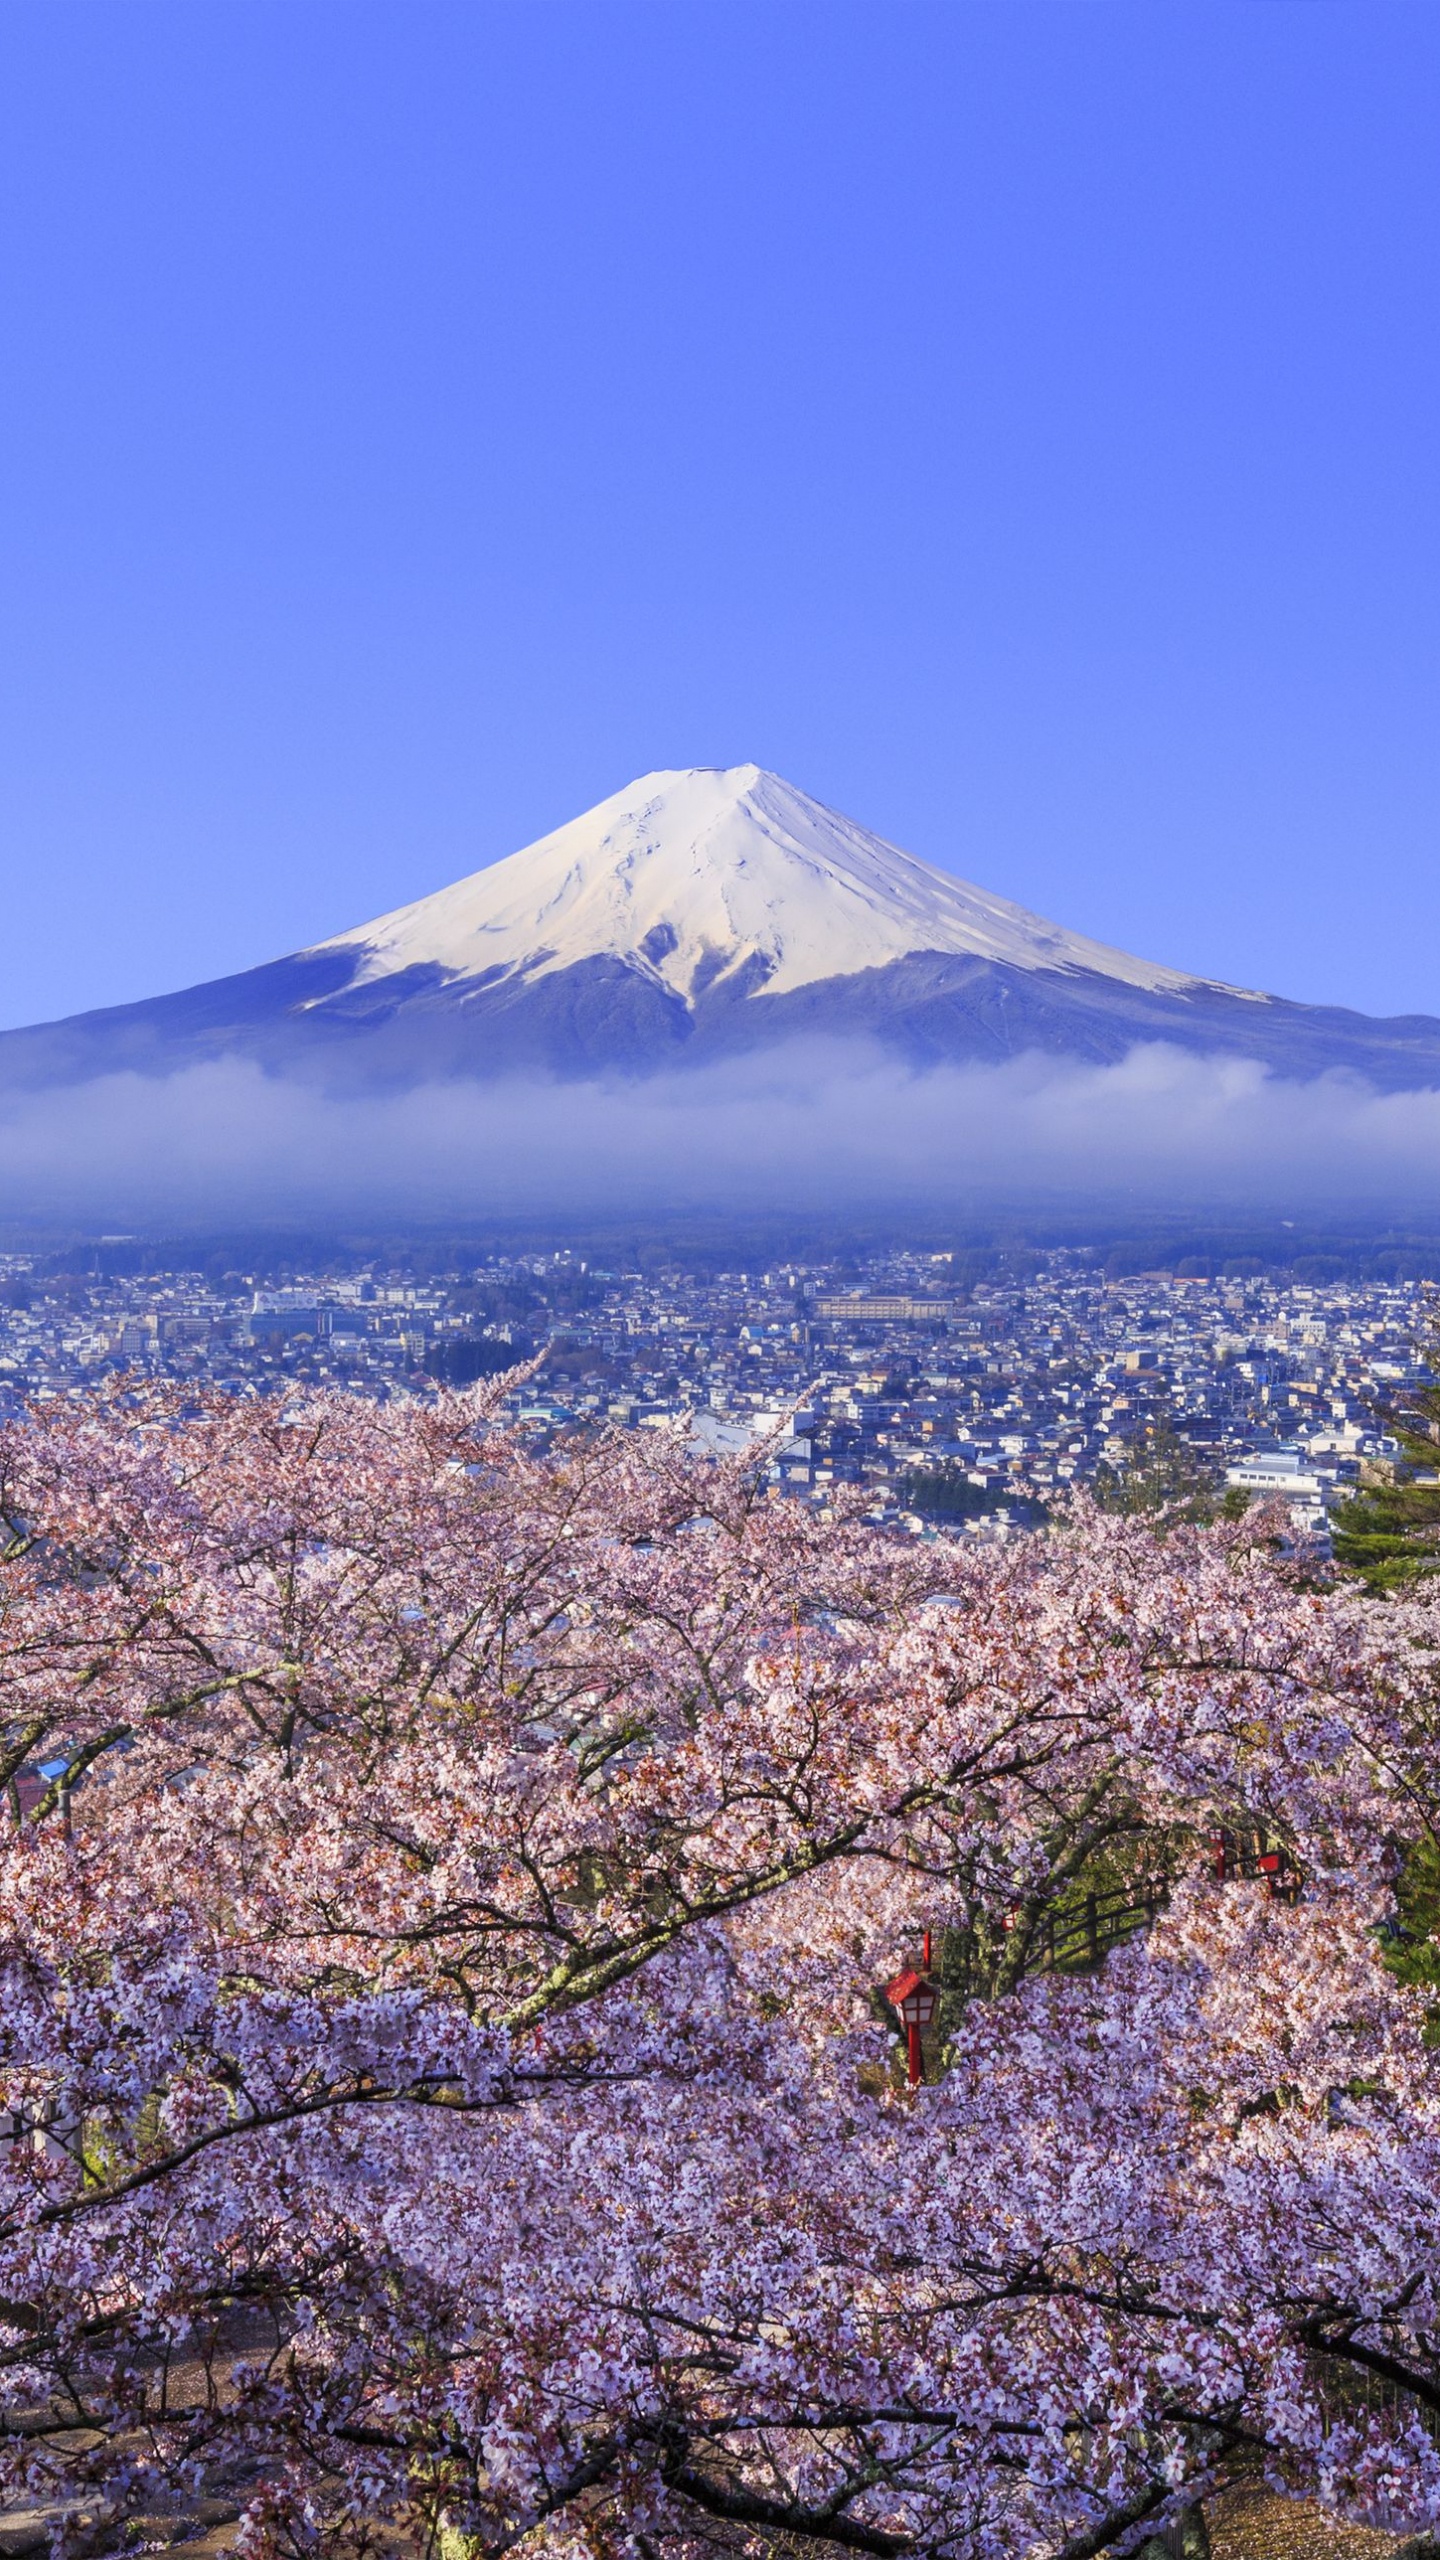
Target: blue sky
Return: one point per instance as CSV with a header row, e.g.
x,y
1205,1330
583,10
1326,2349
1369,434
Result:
x,y
1014,420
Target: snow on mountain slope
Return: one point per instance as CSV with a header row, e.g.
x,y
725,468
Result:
x,y
691,920
688,876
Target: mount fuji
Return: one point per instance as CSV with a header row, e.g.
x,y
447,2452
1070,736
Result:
x,y
692,916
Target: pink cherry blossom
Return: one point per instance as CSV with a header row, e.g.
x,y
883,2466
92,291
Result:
x,y
442,2027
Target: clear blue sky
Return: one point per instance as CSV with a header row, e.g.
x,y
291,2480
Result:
x,y
1014,420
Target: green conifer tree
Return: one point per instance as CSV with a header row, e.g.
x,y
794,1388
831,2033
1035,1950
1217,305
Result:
x,y
1390,1533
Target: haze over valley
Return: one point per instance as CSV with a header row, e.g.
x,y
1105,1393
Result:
x,y
712,989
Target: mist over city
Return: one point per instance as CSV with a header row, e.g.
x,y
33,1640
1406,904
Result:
x,y
805,1126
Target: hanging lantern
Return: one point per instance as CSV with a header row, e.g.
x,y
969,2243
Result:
x,y
915,1997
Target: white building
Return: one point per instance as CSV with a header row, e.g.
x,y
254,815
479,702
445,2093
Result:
x,y
1285,1474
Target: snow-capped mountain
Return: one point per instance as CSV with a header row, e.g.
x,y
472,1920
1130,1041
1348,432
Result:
x,y
688,877
691,916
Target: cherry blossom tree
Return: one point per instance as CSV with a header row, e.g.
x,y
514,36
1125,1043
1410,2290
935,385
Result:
x,y
449,2083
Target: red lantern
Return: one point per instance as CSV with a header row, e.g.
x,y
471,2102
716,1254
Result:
x,y
916,1997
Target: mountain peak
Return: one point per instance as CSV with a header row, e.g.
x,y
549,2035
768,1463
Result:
x,y
692,876
693,917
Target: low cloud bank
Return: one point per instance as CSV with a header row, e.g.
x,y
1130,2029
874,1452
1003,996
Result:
x,y
802,1127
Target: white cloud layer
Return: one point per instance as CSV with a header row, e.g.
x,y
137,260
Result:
x,y
804,1127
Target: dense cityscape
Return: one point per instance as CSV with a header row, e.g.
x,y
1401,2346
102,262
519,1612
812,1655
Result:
x,y
975,1400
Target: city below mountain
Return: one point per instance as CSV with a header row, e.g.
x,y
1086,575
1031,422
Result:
x,y
689,918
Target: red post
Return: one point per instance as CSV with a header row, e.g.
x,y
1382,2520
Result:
x,y
916,2058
